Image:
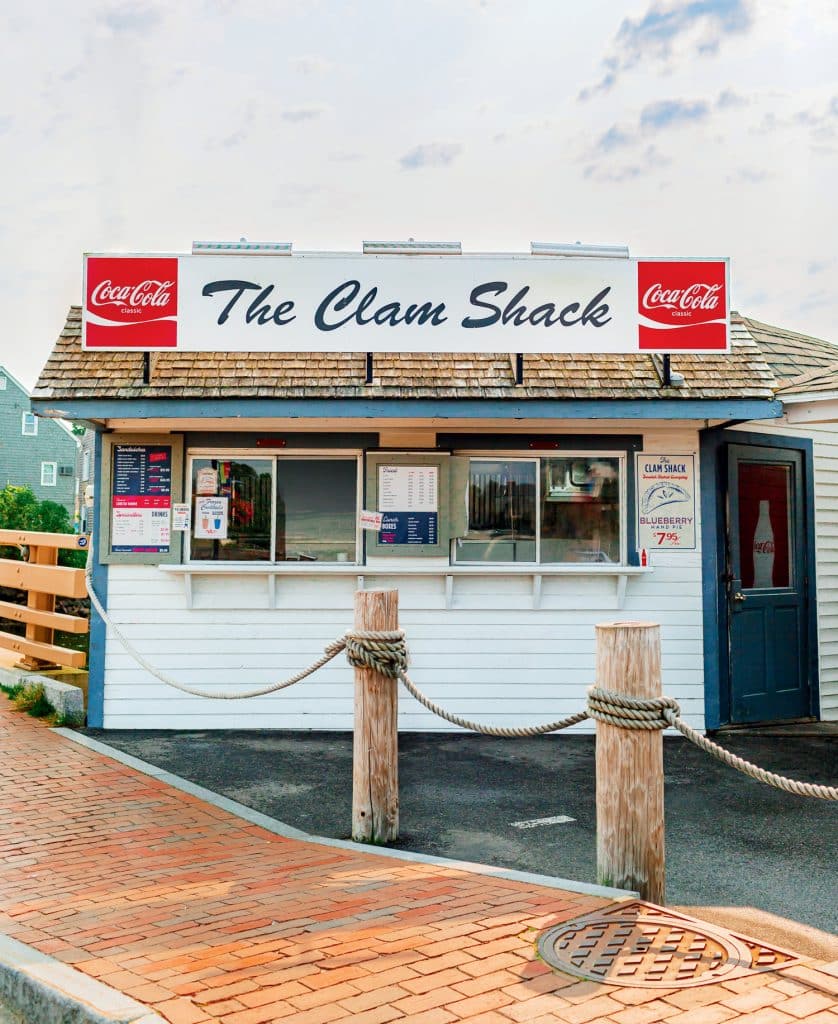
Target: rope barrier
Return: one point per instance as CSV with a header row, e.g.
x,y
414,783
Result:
x,y
385,652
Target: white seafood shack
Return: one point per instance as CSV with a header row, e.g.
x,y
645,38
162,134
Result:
x,y
522,444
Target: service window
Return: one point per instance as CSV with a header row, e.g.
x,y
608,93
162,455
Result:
x,y
232,509
564,510
316,510
274,509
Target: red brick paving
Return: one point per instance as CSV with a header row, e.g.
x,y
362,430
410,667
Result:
x,y
204,917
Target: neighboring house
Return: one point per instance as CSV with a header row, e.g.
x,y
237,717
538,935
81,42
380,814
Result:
x,y
537,487
84,478
34,452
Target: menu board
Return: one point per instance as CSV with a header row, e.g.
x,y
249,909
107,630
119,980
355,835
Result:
x,y
409,498
665,502
141,502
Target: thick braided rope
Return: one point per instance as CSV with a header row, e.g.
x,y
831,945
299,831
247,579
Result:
x,y
382,650
752,770
629,712
331,651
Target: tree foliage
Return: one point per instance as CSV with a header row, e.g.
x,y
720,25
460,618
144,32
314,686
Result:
x,y
21,510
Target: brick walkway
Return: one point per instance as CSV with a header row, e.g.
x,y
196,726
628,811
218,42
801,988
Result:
x,y
206,918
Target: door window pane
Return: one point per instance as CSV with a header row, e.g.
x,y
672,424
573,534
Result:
x,y
247,484
580,509
764,525
316,510
501,512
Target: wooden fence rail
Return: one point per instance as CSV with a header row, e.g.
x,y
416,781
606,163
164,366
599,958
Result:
x,y
43,579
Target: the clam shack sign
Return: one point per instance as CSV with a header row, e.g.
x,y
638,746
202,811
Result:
x,y
404,303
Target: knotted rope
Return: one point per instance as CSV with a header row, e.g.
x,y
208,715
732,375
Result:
x,y
385,651
630,712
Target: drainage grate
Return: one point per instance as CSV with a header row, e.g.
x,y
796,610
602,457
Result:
x,y
642,945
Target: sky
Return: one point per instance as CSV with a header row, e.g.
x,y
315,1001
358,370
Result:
x,y
676,127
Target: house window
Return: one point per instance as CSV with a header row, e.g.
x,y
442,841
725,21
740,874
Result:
x,y
29,424
279,509
49,471
561,510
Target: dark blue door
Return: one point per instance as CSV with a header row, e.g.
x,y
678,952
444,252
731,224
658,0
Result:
x,y
767,586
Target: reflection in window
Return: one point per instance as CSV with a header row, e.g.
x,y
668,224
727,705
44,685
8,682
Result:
x,y
501,507
247,484
580,511
316,510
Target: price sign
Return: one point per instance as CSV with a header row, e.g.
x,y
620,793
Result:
x,y
666,502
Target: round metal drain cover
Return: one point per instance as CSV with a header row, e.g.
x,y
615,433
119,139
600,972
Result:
x,y
653,952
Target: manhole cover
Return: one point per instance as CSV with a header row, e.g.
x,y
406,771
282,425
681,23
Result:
x,y
642,945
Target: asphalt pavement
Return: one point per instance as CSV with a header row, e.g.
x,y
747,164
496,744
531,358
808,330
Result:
x,y
730,841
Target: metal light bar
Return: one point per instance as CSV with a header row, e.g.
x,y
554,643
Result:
x,y
609,252
241,248
412,248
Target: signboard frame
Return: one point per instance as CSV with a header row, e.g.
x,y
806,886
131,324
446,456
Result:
x,y
354,302
106,555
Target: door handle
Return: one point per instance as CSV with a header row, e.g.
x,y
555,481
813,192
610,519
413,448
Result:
x,y
739,596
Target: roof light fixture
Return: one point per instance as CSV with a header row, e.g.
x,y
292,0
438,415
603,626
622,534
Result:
x,y
241,248
413,248
607,252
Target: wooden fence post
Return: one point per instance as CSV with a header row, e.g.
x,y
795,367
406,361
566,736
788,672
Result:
x,y
375,768
40,555
629,766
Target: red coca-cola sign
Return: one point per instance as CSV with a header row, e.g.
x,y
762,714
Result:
x,y
131,302
682,304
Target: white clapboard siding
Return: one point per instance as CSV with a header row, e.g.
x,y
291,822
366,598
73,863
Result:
x,y
825,454
491,657
509,666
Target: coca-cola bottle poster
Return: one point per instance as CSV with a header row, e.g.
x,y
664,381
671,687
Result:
x,y
764,511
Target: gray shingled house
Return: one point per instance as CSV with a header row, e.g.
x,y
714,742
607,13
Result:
x,y
35,452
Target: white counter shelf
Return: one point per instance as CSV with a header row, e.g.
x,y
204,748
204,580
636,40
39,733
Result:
x,y
276,573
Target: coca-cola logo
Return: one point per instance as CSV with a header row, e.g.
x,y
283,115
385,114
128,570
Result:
x,y
764,547
695,296
146,293
682,305
131,302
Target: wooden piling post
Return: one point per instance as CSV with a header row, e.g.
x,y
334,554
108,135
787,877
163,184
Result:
x,y
375,770
629,766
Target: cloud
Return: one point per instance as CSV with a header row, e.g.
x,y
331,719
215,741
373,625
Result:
x,y
669,113
729,100
696,27
654,118
432,154
310,65
819,266
130,16
821,121
302,113
747,176
651,159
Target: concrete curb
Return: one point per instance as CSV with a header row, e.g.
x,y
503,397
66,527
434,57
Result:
x,y
68,700
289,832
47,991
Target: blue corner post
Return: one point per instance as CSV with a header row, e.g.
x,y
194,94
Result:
x,y
96,658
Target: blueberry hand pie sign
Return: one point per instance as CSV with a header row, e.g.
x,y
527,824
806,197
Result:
x,y
665,502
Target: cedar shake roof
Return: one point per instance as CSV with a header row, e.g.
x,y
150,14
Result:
x,y
789,354
71,372
820,381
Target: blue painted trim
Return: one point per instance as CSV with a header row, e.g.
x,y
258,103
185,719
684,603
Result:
x,y
713,463
96,658
712,582
410,408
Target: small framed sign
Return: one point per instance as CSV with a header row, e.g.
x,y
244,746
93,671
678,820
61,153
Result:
x,y
666,502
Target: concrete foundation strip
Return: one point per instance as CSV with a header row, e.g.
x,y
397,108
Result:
x,y
45,990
